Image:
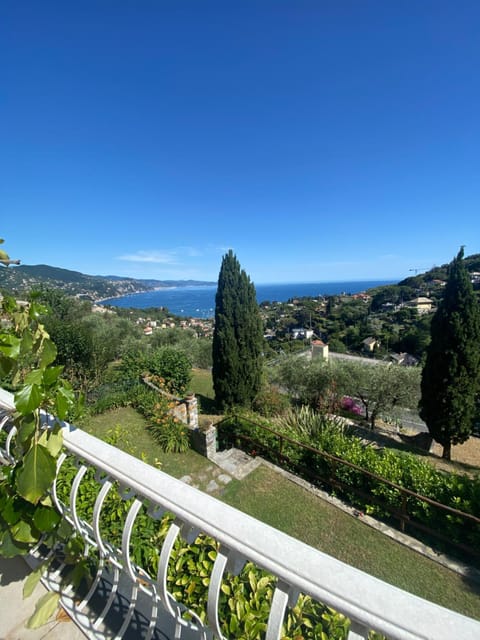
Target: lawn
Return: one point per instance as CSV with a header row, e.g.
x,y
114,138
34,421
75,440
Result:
x,y
202,386
270,497
135,438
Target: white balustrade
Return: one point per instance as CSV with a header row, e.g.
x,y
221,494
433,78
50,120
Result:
x,y
124,591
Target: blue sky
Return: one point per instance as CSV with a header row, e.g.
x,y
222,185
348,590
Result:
x,y
319,140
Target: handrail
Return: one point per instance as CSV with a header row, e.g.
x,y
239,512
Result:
x,y
405,491
370,474
367,601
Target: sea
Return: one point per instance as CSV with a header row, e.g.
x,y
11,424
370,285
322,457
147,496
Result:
x,y
199,301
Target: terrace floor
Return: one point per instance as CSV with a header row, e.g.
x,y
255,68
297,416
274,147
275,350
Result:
x,y
15,611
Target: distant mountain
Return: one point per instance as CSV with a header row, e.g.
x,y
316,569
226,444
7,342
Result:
x,y
25,278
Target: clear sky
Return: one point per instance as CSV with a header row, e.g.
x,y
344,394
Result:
x,y
320,140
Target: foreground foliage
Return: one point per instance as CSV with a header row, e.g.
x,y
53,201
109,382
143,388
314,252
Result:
x,y
27,514
26,357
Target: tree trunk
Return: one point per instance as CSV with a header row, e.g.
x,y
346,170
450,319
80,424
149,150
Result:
x,y
447,450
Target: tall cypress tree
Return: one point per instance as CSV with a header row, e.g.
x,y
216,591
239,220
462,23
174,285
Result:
x,y
237,337
451,375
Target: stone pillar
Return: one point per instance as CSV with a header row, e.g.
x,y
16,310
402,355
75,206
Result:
x,y
210,441
192,411
204,441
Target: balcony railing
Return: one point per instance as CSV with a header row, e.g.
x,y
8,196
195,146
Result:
x,y
124,601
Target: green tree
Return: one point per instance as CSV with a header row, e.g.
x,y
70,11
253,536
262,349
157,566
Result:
x,y
380,387
309,381
451,375
237,338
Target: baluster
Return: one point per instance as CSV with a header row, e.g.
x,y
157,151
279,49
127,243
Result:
x,y
358,631
6,453
283,595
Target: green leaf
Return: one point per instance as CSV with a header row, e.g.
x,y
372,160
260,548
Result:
x,y
22,532
9,304
79,572
10,346
35,311
26,428
47,501
9,548
264,582
32,580
26,343
52,439
51,375
6,365
9,511
36,473
34,377
49,353
65,530
44,610
64,399
28,398
46,519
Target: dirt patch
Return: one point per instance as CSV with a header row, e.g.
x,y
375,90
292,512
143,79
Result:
x,y
463,455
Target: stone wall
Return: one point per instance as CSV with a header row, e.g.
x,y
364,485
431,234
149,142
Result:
x,y
185,409
204,440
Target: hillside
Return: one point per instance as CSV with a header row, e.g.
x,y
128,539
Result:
x,y
23,279
472,264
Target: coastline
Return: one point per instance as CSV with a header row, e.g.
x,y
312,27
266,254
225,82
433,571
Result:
x,y
125,295
198,301
153,289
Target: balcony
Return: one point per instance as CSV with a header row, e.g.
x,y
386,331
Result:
x,y
126,601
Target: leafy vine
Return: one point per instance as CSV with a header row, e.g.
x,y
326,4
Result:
x,y
27,356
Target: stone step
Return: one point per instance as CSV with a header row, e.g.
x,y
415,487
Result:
x,y
236,463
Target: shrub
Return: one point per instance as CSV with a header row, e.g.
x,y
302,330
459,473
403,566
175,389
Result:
x,y
171,434
145,399
173,366
270,402
351,406
170,363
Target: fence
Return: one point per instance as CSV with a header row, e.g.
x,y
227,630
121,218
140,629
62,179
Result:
x,y
447,525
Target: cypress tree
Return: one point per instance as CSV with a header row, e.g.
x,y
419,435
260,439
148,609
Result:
x,y
237,337
451,375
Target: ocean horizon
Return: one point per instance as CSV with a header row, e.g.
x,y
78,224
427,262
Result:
x,y
198,301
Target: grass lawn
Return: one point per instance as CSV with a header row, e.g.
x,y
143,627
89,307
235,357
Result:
x,y
284,505
136,439
202,387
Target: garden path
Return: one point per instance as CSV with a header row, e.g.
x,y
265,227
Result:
x,y
226,465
